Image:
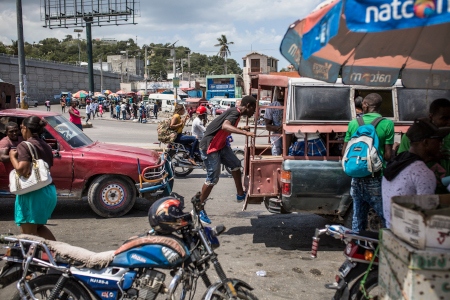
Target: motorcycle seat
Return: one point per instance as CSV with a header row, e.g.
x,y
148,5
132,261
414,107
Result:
x,y
74,255
369,234
168,241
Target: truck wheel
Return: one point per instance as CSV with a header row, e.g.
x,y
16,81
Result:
x,y
273,205
111,196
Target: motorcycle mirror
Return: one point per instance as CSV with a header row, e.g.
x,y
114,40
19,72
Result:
x,y
219,229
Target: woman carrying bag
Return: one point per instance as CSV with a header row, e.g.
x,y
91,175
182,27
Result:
x,y
33,209
177,124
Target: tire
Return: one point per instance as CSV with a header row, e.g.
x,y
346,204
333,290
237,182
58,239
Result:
x,y
283,211
242,292
240,155
42,286
370,286
179,171
111,196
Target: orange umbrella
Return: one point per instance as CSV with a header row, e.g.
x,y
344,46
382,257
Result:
x,y
80,94
120,92
107,92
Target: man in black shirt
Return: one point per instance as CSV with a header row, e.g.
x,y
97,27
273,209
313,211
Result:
x,y
215,151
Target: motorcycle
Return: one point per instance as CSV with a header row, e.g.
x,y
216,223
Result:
x,y
133,271
358,275
179,155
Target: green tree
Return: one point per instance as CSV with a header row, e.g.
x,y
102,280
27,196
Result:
x,y
224,50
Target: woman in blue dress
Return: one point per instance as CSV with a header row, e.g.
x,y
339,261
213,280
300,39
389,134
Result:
x,y
33,209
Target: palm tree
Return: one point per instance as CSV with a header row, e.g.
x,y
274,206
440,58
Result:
x,y
224,51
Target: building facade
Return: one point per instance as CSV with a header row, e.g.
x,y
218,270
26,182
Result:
x,y
256,63
121,65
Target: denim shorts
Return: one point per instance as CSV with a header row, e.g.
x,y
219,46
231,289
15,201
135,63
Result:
x,y
213,161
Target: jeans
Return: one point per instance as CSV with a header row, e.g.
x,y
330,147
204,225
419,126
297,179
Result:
x,y
277,145
213,161
187,140
124,115
366,193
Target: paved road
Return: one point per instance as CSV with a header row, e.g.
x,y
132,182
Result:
x,y
255,239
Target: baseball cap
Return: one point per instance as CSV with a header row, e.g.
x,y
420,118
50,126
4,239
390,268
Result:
x,y
423,129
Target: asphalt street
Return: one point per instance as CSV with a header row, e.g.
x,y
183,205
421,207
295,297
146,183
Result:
x,y
254,240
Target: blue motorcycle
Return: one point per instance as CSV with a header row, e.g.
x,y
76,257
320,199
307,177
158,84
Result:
x,y
178,243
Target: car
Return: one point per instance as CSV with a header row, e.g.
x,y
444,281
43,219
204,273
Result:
x,y
84,168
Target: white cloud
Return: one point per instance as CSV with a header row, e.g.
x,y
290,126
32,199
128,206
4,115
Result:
x,y
257,25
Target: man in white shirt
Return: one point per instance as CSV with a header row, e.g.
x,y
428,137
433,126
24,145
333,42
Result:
x,y
123,109
198,125
408,173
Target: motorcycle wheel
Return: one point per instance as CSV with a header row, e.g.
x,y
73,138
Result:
x,y
240,155
179,171
370,286
242,293
43,285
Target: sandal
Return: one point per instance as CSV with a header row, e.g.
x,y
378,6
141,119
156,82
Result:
x,y
192,161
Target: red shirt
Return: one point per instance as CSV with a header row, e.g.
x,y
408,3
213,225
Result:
x,y
74,119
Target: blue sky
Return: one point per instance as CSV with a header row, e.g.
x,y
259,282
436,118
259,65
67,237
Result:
x,y
253,25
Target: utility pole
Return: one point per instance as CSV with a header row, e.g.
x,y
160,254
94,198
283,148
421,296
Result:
x,y
189,68
101,74
174,57
145,69
79,47
128,73
88,21
21,52
121,72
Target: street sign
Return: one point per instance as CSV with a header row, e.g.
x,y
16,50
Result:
x,y
176,82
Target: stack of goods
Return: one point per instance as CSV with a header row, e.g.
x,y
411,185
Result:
x,y
415,254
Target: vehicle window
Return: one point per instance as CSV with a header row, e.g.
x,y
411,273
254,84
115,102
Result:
x,y
50,139
69,132
321,103
387,106
415,103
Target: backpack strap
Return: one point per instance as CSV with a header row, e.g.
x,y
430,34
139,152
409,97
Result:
x,y
376,121
360,121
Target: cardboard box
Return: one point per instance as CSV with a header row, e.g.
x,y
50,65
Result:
x,y
423,221
411,274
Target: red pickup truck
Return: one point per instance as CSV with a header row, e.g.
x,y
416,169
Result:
x,y
111,176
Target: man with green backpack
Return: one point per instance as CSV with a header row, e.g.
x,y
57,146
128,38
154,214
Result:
x,y
367,146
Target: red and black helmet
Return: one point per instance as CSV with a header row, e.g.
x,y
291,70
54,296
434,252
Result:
x,y
166,215
201,110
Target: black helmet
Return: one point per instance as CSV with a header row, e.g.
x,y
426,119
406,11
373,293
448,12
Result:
x,y
166,215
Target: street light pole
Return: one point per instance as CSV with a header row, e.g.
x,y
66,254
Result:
x,y
145,69
21,52
101,74
79,48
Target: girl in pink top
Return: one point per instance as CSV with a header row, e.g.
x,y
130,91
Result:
x,y
100,110
74,114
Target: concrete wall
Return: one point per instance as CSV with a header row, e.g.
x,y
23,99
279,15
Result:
x,y
46,78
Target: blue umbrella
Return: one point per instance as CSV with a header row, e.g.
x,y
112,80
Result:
x,y
373,42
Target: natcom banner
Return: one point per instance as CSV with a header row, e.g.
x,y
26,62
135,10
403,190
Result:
x,y
381,15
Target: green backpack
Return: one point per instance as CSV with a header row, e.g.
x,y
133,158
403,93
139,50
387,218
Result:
x,y
165,134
